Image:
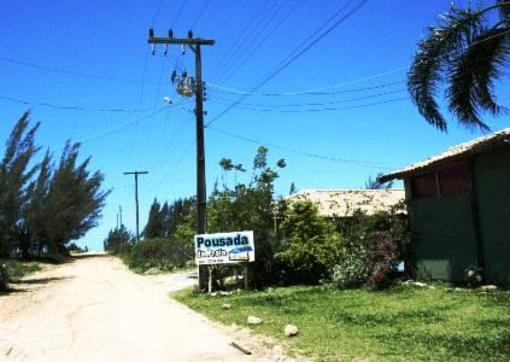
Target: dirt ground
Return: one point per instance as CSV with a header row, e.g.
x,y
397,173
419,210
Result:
x,y
95,309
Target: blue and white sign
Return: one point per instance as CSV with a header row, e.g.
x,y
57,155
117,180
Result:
x,y
224,248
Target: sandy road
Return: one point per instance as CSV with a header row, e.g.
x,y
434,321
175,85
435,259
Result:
x,y
94,309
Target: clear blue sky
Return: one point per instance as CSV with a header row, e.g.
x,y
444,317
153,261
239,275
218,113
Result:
x,y
108,39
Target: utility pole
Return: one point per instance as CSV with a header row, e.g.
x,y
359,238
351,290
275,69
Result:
x,y
195,45
120,215
136,173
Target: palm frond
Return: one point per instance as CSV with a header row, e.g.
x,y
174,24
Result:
x,y
504,11
455,31
471,77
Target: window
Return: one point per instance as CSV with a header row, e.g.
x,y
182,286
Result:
x,y
455,179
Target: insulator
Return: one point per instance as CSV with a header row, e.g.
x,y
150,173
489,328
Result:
x,y
170,33
151,33
153,49
190,34
172,77
166,49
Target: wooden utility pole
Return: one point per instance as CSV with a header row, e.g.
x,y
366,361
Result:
x,y
195,45
136,173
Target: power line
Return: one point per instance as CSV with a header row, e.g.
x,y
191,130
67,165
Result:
x,y
294,105
293,58
361,163
72,108
70,72
238,62
205,5
314,110
237,44
314,91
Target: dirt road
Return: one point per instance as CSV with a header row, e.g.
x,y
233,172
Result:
x,y
94,309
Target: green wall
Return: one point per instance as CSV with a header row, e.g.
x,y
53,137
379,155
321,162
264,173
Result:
x,y
443,228
443,237
492,175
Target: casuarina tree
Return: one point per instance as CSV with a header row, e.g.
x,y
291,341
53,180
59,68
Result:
x,y
15,173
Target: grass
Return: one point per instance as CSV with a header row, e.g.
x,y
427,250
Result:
x,y
18,269
403,323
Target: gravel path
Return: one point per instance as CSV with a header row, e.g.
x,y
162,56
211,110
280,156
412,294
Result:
x,y
94,309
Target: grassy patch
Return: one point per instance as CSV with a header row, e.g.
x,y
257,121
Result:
x,y
402,323
18,269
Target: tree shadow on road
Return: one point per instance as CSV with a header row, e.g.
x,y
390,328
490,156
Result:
x,y
15,286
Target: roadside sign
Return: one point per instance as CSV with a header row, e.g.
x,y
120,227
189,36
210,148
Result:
x,y
224,248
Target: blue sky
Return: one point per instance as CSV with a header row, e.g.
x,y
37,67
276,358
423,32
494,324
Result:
x,y
94,55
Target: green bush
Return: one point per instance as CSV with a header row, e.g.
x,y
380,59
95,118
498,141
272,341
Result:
x,y
163,254
311,247
352,271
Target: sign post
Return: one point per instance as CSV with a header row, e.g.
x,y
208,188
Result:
x,y
225,248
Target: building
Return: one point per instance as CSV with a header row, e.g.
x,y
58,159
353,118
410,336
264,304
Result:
x,y
342,203
459,210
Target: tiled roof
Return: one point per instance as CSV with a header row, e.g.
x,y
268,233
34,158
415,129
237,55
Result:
x,y
344,202
476,146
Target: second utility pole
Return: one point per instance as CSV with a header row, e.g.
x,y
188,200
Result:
x,y
194,44
136,173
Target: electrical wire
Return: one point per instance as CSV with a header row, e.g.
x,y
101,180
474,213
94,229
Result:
x,y
286,63
232,52
71,108
253,38
361,163
314,110
313,104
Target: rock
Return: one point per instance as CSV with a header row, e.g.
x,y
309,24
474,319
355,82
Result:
x,y
291,330
226,306
420,284
253,320
458,289
225,293
488,288
213,294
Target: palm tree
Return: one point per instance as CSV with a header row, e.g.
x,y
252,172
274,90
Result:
x,y
468,50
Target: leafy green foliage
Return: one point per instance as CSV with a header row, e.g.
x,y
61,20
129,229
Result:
x,y
117,240
15,173
74,200
162,254
248,207
399,323
44,207
311,245
371,245
155,227
470,53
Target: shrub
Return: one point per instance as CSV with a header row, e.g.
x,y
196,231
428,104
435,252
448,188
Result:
x,y
311,247
380,261
352,271
163,254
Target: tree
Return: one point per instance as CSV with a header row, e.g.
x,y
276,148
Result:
x,y
468,49
311,247
117,238
155,227
75,200
15,173
36,212
248,207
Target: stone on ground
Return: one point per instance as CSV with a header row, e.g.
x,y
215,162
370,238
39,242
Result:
x,y
291,330
253,320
